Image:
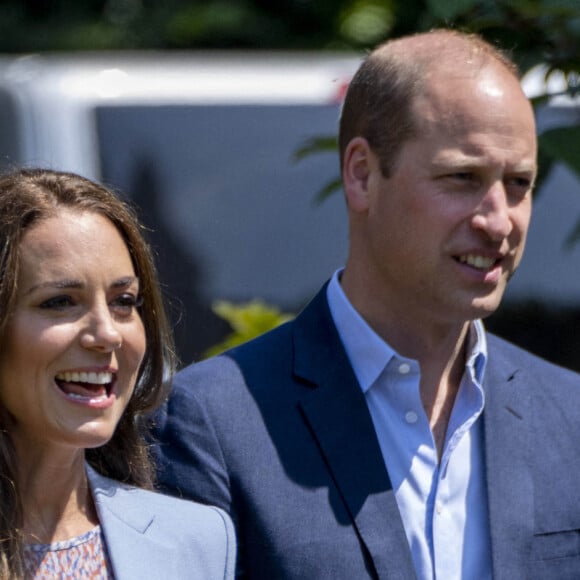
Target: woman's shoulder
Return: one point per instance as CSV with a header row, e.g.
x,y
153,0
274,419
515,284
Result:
x,y
156,528
175,504
114,494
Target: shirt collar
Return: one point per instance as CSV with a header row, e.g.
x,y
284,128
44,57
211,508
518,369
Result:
x,y
477,349
369,354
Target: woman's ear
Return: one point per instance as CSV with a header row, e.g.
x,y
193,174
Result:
x,y
356,169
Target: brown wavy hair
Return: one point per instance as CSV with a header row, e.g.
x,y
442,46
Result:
x,y
28,196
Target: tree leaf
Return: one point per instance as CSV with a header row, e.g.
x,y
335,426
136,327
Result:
x,y
563,144
333,186
248,320
545,164
450,9
314,145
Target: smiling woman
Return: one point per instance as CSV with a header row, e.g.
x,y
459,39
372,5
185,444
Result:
x,y
85,355
75,340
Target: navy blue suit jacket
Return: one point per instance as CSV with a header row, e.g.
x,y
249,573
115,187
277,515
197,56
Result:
x,y
277,432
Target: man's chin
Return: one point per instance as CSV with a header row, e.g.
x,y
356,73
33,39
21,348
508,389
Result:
x,y
485,306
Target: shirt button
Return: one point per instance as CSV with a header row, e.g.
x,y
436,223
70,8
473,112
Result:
x,y
438,507
404,368
411,417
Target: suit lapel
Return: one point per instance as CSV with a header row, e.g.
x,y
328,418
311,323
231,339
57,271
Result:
x,y
125,520
508,447
338,416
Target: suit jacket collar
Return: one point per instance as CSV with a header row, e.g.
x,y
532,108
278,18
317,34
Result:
x,y
337,413
338,416
125,520
508,446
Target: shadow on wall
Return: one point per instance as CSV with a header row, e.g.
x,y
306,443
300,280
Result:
x,y
195,326
550,332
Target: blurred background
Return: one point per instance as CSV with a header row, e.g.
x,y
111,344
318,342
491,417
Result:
x,y
217,119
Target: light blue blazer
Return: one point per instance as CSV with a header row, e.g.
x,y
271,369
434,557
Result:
x,y
149,535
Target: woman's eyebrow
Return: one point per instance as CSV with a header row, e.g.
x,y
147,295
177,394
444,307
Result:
x,y
60,284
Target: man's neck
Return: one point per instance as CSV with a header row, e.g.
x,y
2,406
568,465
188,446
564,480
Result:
x,y
439,346
441,377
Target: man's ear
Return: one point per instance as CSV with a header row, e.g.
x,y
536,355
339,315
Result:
x,y
356,169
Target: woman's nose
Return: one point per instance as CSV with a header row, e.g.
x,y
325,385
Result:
x,y
101,332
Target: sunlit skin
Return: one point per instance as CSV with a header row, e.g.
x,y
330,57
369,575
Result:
x,y
75,312
434,245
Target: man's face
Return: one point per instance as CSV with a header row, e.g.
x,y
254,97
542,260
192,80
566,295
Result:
x,y
446,230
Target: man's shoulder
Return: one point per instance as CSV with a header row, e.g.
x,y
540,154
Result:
x,y
271,354
503,352
223,367
228,379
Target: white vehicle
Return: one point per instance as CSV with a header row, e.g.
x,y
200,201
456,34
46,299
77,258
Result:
x,y
203,143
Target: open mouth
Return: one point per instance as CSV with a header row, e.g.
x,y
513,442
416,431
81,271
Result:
x,y
482,263
86,386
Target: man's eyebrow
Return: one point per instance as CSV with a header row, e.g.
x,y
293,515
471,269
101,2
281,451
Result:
x,y
467,161
458,159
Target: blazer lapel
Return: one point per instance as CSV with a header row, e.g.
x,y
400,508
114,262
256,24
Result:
x,y
508,446
338,416
125,520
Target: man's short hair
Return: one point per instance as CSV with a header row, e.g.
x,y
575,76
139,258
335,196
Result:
x,y
379,103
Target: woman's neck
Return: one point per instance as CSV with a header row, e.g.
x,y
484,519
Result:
x,y
56,497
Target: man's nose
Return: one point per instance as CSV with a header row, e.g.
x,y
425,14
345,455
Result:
x,y
492,215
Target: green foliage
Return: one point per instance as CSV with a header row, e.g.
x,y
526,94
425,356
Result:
x,y
247,320
537,30
366,22
316,145
563,144
450,9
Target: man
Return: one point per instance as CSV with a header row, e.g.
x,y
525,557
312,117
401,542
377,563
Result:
x,y
383,433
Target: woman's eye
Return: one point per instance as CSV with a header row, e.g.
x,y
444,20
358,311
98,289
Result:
x,y
126,303
57,303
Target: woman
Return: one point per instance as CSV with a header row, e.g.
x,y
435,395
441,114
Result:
x,y
85,353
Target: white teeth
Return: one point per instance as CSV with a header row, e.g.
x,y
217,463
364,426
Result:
x,y
78,397
479,262
102,378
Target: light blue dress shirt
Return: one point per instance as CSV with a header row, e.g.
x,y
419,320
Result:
x,y
443,504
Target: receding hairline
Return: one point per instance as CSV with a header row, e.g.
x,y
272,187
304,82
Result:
x,y
392,77
441,49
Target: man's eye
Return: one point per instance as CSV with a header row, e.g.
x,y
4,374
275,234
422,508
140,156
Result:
x,y
522,182
518,188
462,175
57,303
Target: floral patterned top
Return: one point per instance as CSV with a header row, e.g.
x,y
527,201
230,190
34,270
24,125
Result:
x,y
84,557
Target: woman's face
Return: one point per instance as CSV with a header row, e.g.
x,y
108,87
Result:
x,y
74,343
